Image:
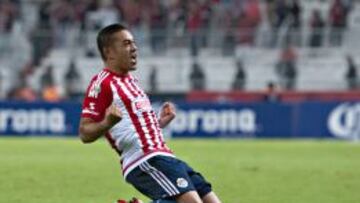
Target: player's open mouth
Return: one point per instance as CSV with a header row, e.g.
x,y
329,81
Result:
x,y
134,58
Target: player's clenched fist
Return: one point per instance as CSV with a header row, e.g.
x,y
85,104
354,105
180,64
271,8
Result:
x,y
168,109
113,115
167,114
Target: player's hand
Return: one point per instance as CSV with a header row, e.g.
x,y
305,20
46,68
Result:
x,y
167,114
113,115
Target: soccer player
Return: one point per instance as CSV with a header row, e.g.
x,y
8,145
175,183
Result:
x,y
116,107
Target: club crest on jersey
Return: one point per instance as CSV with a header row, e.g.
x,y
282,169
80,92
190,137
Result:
x,y
141,105
182,182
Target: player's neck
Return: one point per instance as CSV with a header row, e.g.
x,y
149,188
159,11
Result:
x,y
116,70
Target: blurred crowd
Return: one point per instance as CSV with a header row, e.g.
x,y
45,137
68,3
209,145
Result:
x,y
238,20
162,24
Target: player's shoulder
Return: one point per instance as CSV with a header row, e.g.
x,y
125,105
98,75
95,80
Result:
x,y
101,77
99,83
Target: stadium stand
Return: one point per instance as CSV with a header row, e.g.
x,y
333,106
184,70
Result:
x,y
170,25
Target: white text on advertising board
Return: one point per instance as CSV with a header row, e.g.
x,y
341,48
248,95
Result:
x,y
344,120
34,120
211,121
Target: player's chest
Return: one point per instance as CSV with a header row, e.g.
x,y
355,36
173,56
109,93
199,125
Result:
x,y
134,98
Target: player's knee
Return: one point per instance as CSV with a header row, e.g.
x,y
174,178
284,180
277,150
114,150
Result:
x,y
189,197
189,201
211,198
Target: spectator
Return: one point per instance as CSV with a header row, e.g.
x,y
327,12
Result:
x,y
271,22
228,23
41,35
348,4
194,25
245,30
248,22
206,17
131,12
158,31
73,82
295,11
240,76
317,25
338,22
81,8
294,32
8,14
49,90
197,77
177,18
286,67
103,14
62,17
271,94
281,11
153,80
100,14
44,15
22,92
47,77
351,74
229,43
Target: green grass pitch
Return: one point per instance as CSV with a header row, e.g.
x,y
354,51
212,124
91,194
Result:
x,y
62,170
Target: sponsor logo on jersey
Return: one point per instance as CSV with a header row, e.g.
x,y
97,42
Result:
x,y
141,105
95,88
344,121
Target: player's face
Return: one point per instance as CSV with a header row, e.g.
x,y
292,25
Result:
x,y
124,51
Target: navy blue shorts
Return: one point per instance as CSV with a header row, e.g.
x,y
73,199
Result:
x,y
163,177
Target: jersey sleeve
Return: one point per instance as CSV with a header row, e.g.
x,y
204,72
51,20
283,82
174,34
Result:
x,y
97,99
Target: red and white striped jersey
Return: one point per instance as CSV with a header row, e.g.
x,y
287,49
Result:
x,y
137,137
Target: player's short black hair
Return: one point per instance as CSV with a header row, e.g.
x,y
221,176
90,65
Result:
x,y
104,38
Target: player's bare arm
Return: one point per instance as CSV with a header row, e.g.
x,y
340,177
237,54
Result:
x,y
90,130
167,114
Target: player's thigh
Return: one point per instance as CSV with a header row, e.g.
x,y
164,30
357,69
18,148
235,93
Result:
x,y
202,186
211,198
188,197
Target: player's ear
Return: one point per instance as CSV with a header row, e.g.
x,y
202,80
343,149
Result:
x,y
108,53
